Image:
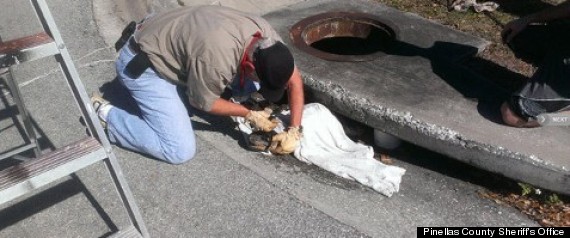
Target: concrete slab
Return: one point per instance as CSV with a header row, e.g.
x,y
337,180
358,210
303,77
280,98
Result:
x,y
420,92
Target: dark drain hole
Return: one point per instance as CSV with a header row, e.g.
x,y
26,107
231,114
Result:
x,y
377,40
345,36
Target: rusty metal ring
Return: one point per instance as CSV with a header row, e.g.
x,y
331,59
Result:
x,y
339,24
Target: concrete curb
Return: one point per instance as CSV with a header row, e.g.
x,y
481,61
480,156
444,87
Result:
x,y
522,167
401,116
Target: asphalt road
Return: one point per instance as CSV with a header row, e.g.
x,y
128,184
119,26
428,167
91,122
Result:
x,y
226,191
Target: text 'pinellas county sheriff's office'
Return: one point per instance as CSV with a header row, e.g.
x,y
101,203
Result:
x,y
490,232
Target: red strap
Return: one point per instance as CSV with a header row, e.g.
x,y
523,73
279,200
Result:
x,y
245,60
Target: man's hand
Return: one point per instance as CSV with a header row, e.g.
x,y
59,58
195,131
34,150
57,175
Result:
x,y
260,121
286,142
513,28
560,11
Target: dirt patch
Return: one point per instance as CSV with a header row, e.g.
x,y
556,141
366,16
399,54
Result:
x,y
546,213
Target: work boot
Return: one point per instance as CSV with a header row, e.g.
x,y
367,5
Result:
x,y
98,103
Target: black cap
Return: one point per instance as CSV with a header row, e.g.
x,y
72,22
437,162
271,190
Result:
x,y
274,66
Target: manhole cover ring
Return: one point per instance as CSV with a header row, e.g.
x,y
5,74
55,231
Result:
x,y
356,25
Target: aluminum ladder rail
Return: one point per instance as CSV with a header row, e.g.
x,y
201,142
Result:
x,y
30,139
32,174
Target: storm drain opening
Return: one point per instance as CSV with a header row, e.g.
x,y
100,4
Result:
x,y
344,36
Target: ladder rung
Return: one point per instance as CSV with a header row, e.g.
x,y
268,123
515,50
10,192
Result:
x,y
129,232
17,150
26,49
24,177
17,45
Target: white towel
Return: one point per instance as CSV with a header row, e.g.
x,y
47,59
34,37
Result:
x,y
463,5
325,144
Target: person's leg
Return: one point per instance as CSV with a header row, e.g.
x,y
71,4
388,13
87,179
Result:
x,y
548,91
163,129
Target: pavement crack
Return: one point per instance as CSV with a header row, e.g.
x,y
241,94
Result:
x,y
93,52
90,64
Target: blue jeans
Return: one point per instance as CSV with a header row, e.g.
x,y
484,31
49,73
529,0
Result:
x,y
162,128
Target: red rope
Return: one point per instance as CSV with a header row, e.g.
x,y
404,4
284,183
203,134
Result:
x,y
245,60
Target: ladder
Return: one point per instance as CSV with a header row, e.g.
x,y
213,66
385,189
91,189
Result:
x,y
32,174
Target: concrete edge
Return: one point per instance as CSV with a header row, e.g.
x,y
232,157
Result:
x,y
480,43
522,167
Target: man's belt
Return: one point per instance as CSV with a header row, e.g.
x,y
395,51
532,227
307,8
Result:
x,y
134,46
125,35
140,62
